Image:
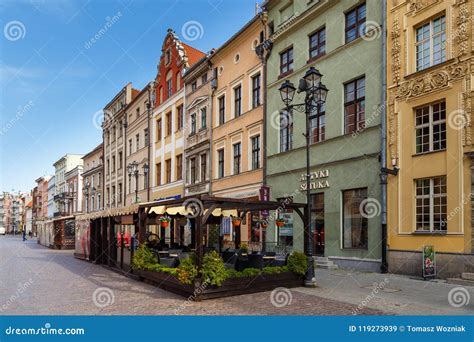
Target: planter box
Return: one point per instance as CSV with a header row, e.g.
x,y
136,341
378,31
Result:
x,y
230,287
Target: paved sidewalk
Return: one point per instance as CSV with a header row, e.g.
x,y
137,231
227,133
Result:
x,y
401,295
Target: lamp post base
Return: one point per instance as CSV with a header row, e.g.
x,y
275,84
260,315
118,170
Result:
x,y
310,283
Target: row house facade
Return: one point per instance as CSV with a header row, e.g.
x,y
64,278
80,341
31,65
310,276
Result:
x,y
62,166
168,117
198,128
345,138
92,175
430,93
137,159
237,122
51,192
74,194
115,147
40,200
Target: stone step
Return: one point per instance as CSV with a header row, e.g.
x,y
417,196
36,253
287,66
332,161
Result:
x,y
324,262
467,276
460,281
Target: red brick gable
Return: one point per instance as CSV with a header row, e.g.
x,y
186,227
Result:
x,y
175,56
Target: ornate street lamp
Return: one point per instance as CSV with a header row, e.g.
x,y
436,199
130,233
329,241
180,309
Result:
x,y
132,169
315,97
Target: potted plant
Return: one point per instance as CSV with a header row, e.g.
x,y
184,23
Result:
x,y
165,221
264,224
236,221
280,222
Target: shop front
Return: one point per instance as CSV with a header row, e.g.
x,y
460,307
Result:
x,y
58,233
345,212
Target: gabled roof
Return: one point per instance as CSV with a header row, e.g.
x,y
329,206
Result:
x,y
194,55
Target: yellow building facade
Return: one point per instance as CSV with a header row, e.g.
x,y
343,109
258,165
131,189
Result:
x,y
430,86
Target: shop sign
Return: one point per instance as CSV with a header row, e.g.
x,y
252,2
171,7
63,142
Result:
x,y
264,196
318,180
429,262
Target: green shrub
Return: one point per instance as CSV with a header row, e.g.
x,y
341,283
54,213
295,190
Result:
x,y
251,272
187,271
275,269
143,258
213,270
298,263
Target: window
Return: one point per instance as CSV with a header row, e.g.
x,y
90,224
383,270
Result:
x,y
179,167
317,44
120,160
318,125
158,174
158,130
168,57
168,170
147,137
119,194
220,158
113,163
431,204
193,170
138,111
204,78
137,140
431,43
237,157
120,129
286,131
355,23
194,86
114,194
130,146
108,137
169,87
98,178
222,110
355,222
203,167
203,117
256,152
286,61
354,106
430,127
238,101
168,124
193,123
98,202
256,91
180,116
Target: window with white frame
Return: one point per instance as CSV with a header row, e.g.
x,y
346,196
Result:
x,y
431,204
431,43
430,127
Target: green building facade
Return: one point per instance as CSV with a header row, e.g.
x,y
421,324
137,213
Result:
x,y
343,40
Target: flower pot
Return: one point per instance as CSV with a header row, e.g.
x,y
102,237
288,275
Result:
x,y
236,223
165,224
264,225
280,223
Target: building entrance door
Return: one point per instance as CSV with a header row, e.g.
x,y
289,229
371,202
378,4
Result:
x,y
317,223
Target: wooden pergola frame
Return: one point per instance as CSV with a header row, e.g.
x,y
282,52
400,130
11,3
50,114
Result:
x,y
210,203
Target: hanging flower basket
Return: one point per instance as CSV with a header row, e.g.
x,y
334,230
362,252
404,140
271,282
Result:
x,y
263,224
236,221
280,222
165,221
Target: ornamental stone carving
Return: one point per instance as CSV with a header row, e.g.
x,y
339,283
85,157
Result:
x,y
396,51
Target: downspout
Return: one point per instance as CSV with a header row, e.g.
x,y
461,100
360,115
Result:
x,y
211,111
150,85
384,266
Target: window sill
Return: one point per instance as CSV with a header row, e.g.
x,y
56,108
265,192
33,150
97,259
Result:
x,y
313,59
428,69
429,152
421,232
285,74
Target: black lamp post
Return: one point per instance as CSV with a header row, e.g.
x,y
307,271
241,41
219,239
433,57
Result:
x,y
315,97
86,193
132,169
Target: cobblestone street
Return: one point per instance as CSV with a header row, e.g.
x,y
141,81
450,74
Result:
x,y
39,281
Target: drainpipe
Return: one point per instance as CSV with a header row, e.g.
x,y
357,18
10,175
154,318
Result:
x,y
384,266
149,106
211,110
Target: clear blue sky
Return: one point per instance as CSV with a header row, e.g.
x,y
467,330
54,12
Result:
x,y
53,82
